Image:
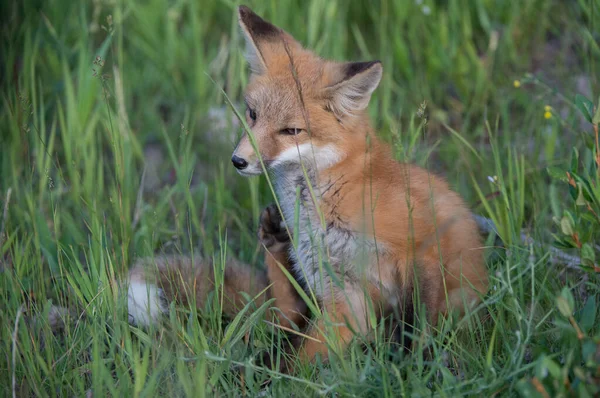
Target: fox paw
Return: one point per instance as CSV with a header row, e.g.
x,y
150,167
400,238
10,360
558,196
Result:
x,y
271,230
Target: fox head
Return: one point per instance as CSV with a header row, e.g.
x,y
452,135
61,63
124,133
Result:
x,y
300,108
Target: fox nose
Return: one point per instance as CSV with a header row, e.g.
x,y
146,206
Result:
x,y
238,162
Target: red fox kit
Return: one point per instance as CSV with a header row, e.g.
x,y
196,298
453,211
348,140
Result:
x,y
366,228
379,225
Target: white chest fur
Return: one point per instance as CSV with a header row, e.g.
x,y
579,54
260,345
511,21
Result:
x,y
325,251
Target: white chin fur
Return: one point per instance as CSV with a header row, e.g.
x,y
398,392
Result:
x,y
251,171
320,157
145,303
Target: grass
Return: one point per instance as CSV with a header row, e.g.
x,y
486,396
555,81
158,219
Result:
x,y
115,144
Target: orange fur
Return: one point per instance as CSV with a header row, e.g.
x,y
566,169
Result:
x,y
188,281
383,226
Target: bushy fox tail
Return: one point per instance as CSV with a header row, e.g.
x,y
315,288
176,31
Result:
x,y
155,282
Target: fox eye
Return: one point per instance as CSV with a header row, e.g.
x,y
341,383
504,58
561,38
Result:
x,y
252,114
290,131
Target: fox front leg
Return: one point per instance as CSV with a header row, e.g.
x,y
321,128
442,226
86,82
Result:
x,y
344,314
276,241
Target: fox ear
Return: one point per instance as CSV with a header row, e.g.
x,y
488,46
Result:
x,y
258,33
356,81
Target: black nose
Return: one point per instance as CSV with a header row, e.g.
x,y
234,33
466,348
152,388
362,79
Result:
x,y
238,162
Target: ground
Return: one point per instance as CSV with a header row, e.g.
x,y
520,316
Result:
x,y
115,142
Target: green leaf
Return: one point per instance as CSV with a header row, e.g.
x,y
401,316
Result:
x,y
588,350
553,367
557,173
561,243
588,217
596,118
566,226
587,319
580,201
588,257
563,306
565,302
588,140
583,184
546,366
585,106
566,293
574,159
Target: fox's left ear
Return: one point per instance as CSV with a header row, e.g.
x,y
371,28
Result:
x,y
264,41
356,81
256,30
